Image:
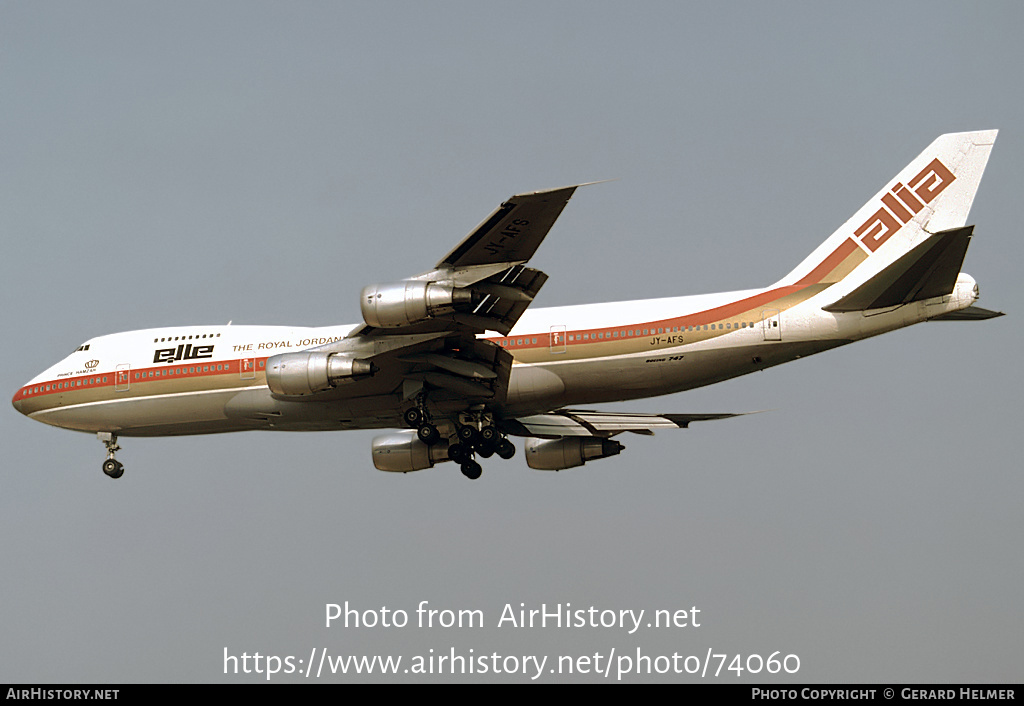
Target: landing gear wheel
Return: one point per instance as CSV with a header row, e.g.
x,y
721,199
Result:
x,y
471,469
428,434
113,468
468,435
505,449
489,435
458,453
412,417
485,450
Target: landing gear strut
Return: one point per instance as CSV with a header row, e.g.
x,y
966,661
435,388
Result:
x,y
112,467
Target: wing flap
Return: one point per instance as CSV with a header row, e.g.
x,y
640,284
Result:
x,y
569,422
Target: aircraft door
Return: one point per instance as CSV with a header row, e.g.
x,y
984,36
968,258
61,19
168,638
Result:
x,y
247,368
557,339
771,324
121,377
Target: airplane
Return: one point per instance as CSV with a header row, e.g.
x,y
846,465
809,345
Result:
x,y
453,359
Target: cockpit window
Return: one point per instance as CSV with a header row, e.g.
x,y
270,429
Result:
x,y
83,347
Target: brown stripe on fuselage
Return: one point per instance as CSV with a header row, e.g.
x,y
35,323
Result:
x,y
747,310
144,386
840,263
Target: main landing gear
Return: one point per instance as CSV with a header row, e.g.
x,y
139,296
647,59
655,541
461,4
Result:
x,y
417,418
112,467
475,435
483,442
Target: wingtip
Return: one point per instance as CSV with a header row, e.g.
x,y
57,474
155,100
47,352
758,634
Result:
x,y
570,188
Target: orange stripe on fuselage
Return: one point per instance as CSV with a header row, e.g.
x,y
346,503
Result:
x,y
709,316
78,383
828,266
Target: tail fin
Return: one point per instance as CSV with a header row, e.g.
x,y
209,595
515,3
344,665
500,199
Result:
x,y
931,194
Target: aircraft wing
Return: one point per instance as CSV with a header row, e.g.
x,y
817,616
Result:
x,y
577,422
512,233
421,333
486,268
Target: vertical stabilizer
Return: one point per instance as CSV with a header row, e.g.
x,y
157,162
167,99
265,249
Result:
x,y
931,194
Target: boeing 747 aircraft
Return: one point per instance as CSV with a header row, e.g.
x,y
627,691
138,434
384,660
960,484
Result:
x,y
454,357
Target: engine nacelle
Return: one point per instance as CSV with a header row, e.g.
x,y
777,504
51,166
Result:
x,y
402,452
408,302
569,452
293,374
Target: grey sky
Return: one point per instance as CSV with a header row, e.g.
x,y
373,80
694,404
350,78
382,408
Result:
x,y
255,162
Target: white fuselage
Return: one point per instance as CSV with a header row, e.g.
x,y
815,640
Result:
x,y
205,379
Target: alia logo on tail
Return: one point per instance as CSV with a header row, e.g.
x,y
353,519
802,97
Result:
x,y
922,190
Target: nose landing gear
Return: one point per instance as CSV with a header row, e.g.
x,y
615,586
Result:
x,y
112,467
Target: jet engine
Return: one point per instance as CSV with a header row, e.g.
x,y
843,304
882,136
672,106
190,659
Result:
x,y
569,452
408,302
292,374
402,452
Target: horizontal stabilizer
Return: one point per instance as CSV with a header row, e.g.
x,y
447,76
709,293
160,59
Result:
x,y
971,313
928,270
576,422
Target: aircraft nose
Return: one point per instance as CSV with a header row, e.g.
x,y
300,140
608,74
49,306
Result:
x,y
18,400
